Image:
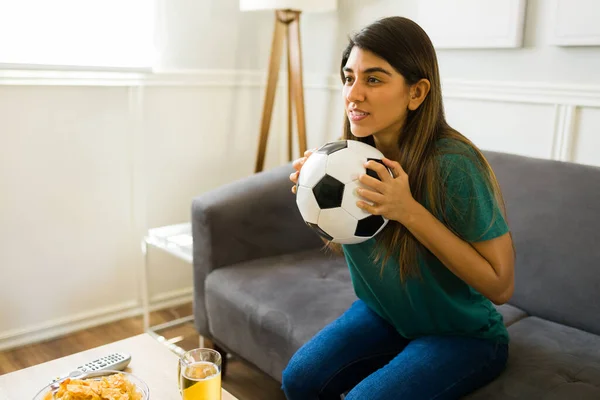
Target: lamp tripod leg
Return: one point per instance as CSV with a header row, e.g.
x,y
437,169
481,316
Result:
x,y
290,138
297,84
273,75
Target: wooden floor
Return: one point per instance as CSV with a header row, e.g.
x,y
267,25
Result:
x,y
242,380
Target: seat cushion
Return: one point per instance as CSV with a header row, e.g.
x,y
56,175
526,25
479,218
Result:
x,y
510,314
265,309
547,361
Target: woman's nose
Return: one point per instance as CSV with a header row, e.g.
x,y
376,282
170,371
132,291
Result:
x,y
355,93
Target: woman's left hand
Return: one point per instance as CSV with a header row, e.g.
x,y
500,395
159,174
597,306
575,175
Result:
x,y
391,196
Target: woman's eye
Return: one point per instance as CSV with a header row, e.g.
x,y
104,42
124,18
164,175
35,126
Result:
x,y
347,79
373,80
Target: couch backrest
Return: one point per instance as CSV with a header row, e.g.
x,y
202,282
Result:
x,y
554,213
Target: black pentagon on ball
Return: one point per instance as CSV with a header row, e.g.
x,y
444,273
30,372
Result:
x,y
329,192
367,227
319,230
371,172
332,147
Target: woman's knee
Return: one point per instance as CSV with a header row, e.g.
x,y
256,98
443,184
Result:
x,y
299,379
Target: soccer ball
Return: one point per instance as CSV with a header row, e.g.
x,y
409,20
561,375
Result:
x,y
326,192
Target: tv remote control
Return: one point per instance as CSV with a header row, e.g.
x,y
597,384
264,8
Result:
x,y
113,362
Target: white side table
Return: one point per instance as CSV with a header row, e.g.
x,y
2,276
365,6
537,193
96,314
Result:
x,y
177,241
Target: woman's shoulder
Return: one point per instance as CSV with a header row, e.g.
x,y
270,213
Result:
x,y
454,155
447,148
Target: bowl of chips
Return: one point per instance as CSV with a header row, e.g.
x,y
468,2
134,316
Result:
x,y
104,385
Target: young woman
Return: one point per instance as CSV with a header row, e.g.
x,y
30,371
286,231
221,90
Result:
x,y
424,326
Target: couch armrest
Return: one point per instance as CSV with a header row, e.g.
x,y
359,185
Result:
x,y
251,218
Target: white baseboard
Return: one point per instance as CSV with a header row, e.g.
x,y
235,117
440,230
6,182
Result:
x,y
63,326
171,298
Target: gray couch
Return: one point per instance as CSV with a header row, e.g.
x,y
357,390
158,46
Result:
x,y
263,285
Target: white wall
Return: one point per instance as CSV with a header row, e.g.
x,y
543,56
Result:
x,y
88,162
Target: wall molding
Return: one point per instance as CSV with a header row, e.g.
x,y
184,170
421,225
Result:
x,y
564,132
505,91
573,28
65,325
500,25
181,77
523,92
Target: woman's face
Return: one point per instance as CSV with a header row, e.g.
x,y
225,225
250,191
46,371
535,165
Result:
x,y
376,96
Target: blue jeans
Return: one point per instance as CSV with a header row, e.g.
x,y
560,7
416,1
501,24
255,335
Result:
x,y
362,353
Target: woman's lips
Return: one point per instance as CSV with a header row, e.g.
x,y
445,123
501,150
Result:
x,y
356,116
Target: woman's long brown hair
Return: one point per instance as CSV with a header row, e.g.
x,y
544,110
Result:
x,y
407,48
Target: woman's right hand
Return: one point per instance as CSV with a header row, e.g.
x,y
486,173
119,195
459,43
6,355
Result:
x,y
297,164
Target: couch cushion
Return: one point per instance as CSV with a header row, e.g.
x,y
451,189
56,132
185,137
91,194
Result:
x,y
554,214
547,361
264,310
510,314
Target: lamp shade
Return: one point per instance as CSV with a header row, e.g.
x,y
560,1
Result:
x,y
299,5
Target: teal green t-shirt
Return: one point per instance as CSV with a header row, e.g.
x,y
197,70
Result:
x,y
438,302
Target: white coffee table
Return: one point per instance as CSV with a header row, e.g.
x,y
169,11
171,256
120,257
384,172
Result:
x,y
150,361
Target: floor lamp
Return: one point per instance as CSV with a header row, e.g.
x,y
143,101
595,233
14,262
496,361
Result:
x,y
287,26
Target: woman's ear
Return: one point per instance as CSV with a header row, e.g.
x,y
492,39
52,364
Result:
x,y
418,92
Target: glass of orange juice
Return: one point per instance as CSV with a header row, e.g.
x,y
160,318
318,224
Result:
x,y
199,375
